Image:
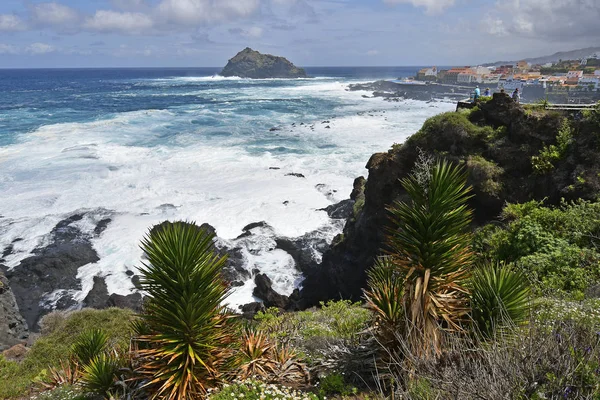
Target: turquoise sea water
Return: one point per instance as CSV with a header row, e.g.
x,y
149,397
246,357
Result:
x,y
143,145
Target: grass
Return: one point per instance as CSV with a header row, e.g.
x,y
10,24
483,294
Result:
x,y
334,321
59,332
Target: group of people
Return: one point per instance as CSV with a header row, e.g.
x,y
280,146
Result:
x,y
516,95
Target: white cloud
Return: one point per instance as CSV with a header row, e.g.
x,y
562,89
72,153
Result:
x,y
117,22
54,14
372,52
193,12
9,22
494,26
252,32
8,49
556,19
431,6
39,48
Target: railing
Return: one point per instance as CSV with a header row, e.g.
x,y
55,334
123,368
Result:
x,y
571,107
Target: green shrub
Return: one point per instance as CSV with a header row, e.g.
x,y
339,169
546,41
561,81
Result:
x,y
549,155
335,320
421,388
15,379
551,311
333,384
486,175
555,247
60,331
257,390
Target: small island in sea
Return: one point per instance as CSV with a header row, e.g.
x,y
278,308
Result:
x,y
252,64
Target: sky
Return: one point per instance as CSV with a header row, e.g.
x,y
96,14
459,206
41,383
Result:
x,y
206,33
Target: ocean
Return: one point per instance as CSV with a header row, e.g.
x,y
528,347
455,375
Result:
x,y
140,146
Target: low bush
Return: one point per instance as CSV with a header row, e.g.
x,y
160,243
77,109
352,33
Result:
x,y
555,247
63,392
486,175
550,154
550,362
335,384
335,320
257,390
60,331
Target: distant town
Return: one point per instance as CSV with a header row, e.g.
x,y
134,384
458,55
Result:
x,y
564,79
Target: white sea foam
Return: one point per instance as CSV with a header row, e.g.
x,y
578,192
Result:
x,y
140,168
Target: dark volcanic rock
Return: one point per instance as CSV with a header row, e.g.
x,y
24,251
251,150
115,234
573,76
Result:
x,y
341,210
51,268
358,188
249,63
133,301
265,292
251,309
98,296
297,175
302,250
516,137
13,328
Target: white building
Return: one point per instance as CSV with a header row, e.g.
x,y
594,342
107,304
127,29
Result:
x,y
574,75
466,77
588,81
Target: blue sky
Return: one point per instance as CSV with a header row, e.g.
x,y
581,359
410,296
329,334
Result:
x,y
171,33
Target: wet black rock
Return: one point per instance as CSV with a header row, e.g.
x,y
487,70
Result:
x,y
264,291
251,309
52,270
98,295
303,250
297,175
341,210
101,226
99,298
13,328
133,301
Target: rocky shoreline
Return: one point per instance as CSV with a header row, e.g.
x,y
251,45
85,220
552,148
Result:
x,y
47,279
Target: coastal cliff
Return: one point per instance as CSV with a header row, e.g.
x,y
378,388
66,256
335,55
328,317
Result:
x,y
501,143
252,64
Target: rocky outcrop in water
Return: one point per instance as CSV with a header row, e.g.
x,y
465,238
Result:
x,y
496,144
47,279
249,63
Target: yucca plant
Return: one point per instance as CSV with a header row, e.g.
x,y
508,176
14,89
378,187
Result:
x,y
184,343
254,355
500,298
384,297
67,374
287,367
100,375
89,345
430,249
